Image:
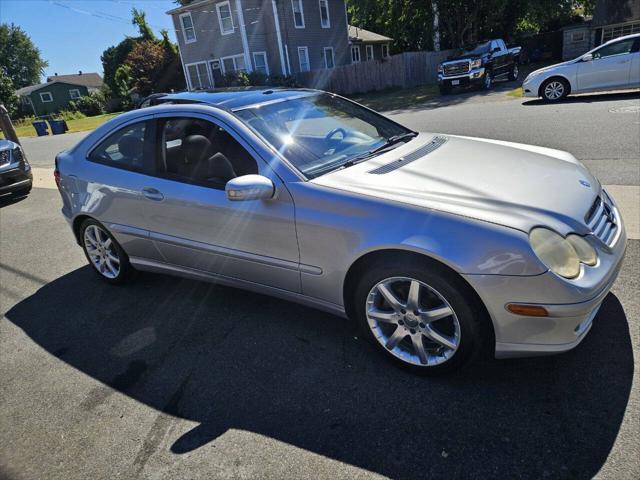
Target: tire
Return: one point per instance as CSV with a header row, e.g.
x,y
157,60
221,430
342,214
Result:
x,y
514,72
554,90
104,253
487,81
445,90
459,321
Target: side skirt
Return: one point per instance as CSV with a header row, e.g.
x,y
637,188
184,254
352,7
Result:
x,y
194,274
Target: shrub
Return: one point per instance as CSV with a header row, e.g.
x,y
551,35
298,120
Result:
x,y
282,81
90,105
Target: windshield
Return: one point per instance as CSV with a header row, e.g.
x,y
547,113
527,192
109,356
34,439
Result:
x,y
320,133
479,50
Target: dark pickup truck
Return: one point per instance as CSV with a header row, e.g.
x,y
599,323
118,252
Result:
x,y
479,66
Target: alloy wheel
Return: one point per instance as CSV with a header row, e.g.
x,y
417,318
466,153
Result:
x,y
413,321
101,251
487,81
515,72
554,90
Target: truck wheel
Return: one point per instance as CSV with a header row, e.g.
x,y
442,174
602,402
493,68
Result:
x,y
487,83
513,74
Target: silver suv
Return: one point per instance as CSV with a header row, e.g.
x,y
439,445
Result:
x,y
436,245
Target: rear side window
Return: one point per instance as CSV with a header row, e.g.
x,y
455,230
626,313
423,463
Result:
x,y
619,48
124,149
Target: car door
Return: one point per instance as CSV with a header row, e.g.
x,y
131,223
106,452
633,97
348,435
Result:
x,y
195,226
634,71
114,176
609,67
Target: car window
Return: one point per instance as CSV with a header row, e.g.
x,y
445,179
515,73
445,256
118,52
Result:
x,y
123,149
319,132
194,150
618,48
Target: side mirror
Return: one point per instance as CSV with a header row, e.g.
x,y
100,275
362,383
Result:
x,y
587,58
249,187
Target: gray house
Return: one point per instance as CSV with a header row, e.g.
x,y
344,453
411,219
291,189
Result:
x,y
366,45
274,37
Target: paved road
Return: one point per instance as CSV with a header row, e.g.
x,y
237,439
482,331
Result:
x,y
171,378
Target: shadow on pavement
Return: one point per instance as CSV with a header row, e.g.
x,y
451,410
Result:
x,y
587,98
231,359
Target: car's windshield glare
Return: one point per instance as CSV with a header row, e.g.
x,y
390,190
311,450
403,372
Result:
x,y
319,133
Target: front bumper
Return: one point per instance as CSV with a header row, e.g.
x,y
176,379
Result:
x,y
531,86
15,179
474,77
572,305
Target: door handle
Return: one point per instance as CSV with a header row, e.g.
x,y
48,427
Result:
x,y
152,194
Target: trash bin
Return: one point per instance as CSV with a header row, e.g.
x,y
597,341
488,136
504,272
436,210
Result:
x,y
41,128
58,126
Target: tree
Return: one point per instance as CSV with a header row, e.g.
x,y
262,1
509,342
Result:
x,y
19,58
8,96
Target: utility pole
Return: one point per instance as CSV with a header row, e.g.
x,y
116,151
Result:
x,y
7,126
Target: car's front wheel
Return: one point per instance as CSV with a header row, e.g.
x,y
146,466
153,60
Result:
x,y
420,316
554,89
104,254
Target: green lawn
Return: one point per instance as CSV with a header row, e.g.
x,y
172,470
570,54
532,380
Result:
x,y
77,125
397,98
516,92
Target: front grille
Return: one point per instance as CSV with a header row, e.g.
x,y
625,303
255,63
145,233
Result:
x,y
17,155
602,219
436,142
456,68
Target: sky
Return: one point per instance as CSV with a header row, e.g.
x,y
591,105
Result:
x,y
72,34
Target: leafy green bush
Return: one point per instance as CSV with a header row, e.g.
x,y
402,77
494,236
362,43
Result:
x,y
288,81
90,105
69,115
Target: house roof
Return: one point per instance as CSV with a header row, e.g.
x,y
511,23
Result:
x,y
89,80
609,12
32,88
194,3
357,34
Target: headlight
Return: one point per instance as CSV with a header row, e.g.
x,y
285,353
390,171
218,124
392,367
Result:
x,y
440,69
476,63
586,253
562,255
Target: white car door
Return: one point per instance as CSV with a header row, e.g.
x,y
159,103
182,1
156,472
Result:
x,y
634,72
609,67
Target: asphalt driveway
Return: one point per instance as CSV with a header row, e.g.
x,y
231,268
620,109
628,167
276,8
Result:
x,y
170,378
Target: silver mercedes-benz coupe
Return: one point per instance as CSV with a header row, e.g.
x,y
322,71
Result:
x,y
436,245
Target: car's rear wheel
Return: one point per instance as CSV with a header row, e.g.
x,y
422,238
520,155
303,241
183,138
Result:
x,y
487,82
419,316
514,72
104,254
554,89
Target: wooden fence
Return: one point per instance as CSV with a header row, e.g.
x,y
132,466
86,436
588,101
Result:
x,y
403,70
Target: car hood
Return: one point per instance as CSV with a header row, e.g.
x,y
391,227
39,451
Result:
x,y
515,185
553,67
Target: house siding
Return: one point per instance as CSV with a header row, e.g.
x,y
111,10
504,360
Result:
x,y
377,49
261,35
572,47
61,98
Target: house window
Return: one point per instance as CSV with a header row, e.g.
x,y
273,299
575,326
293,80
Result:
x,y
225,18
369,49
234,63
609,33
303,56
26,100
188,32
46,97
298,13
325,21
198,76
355,54
328,57
577,37
74,93
385,50
260,62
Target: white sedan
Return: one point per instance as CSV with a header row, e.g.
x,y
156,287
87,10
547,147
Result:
x,y
614,65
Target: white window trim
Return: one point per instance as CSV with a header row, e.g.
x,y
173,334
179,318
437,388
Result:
x,y
27,100
301,13
266,63
184,30
386,45
233,58
306,50
186,67
356,47
42,98
326,2
324,51
233,25
71,94
369,50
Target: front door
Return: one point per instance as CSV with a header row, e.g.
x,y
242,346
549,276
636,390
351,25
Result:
x,y
609,68
195,226
216,73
